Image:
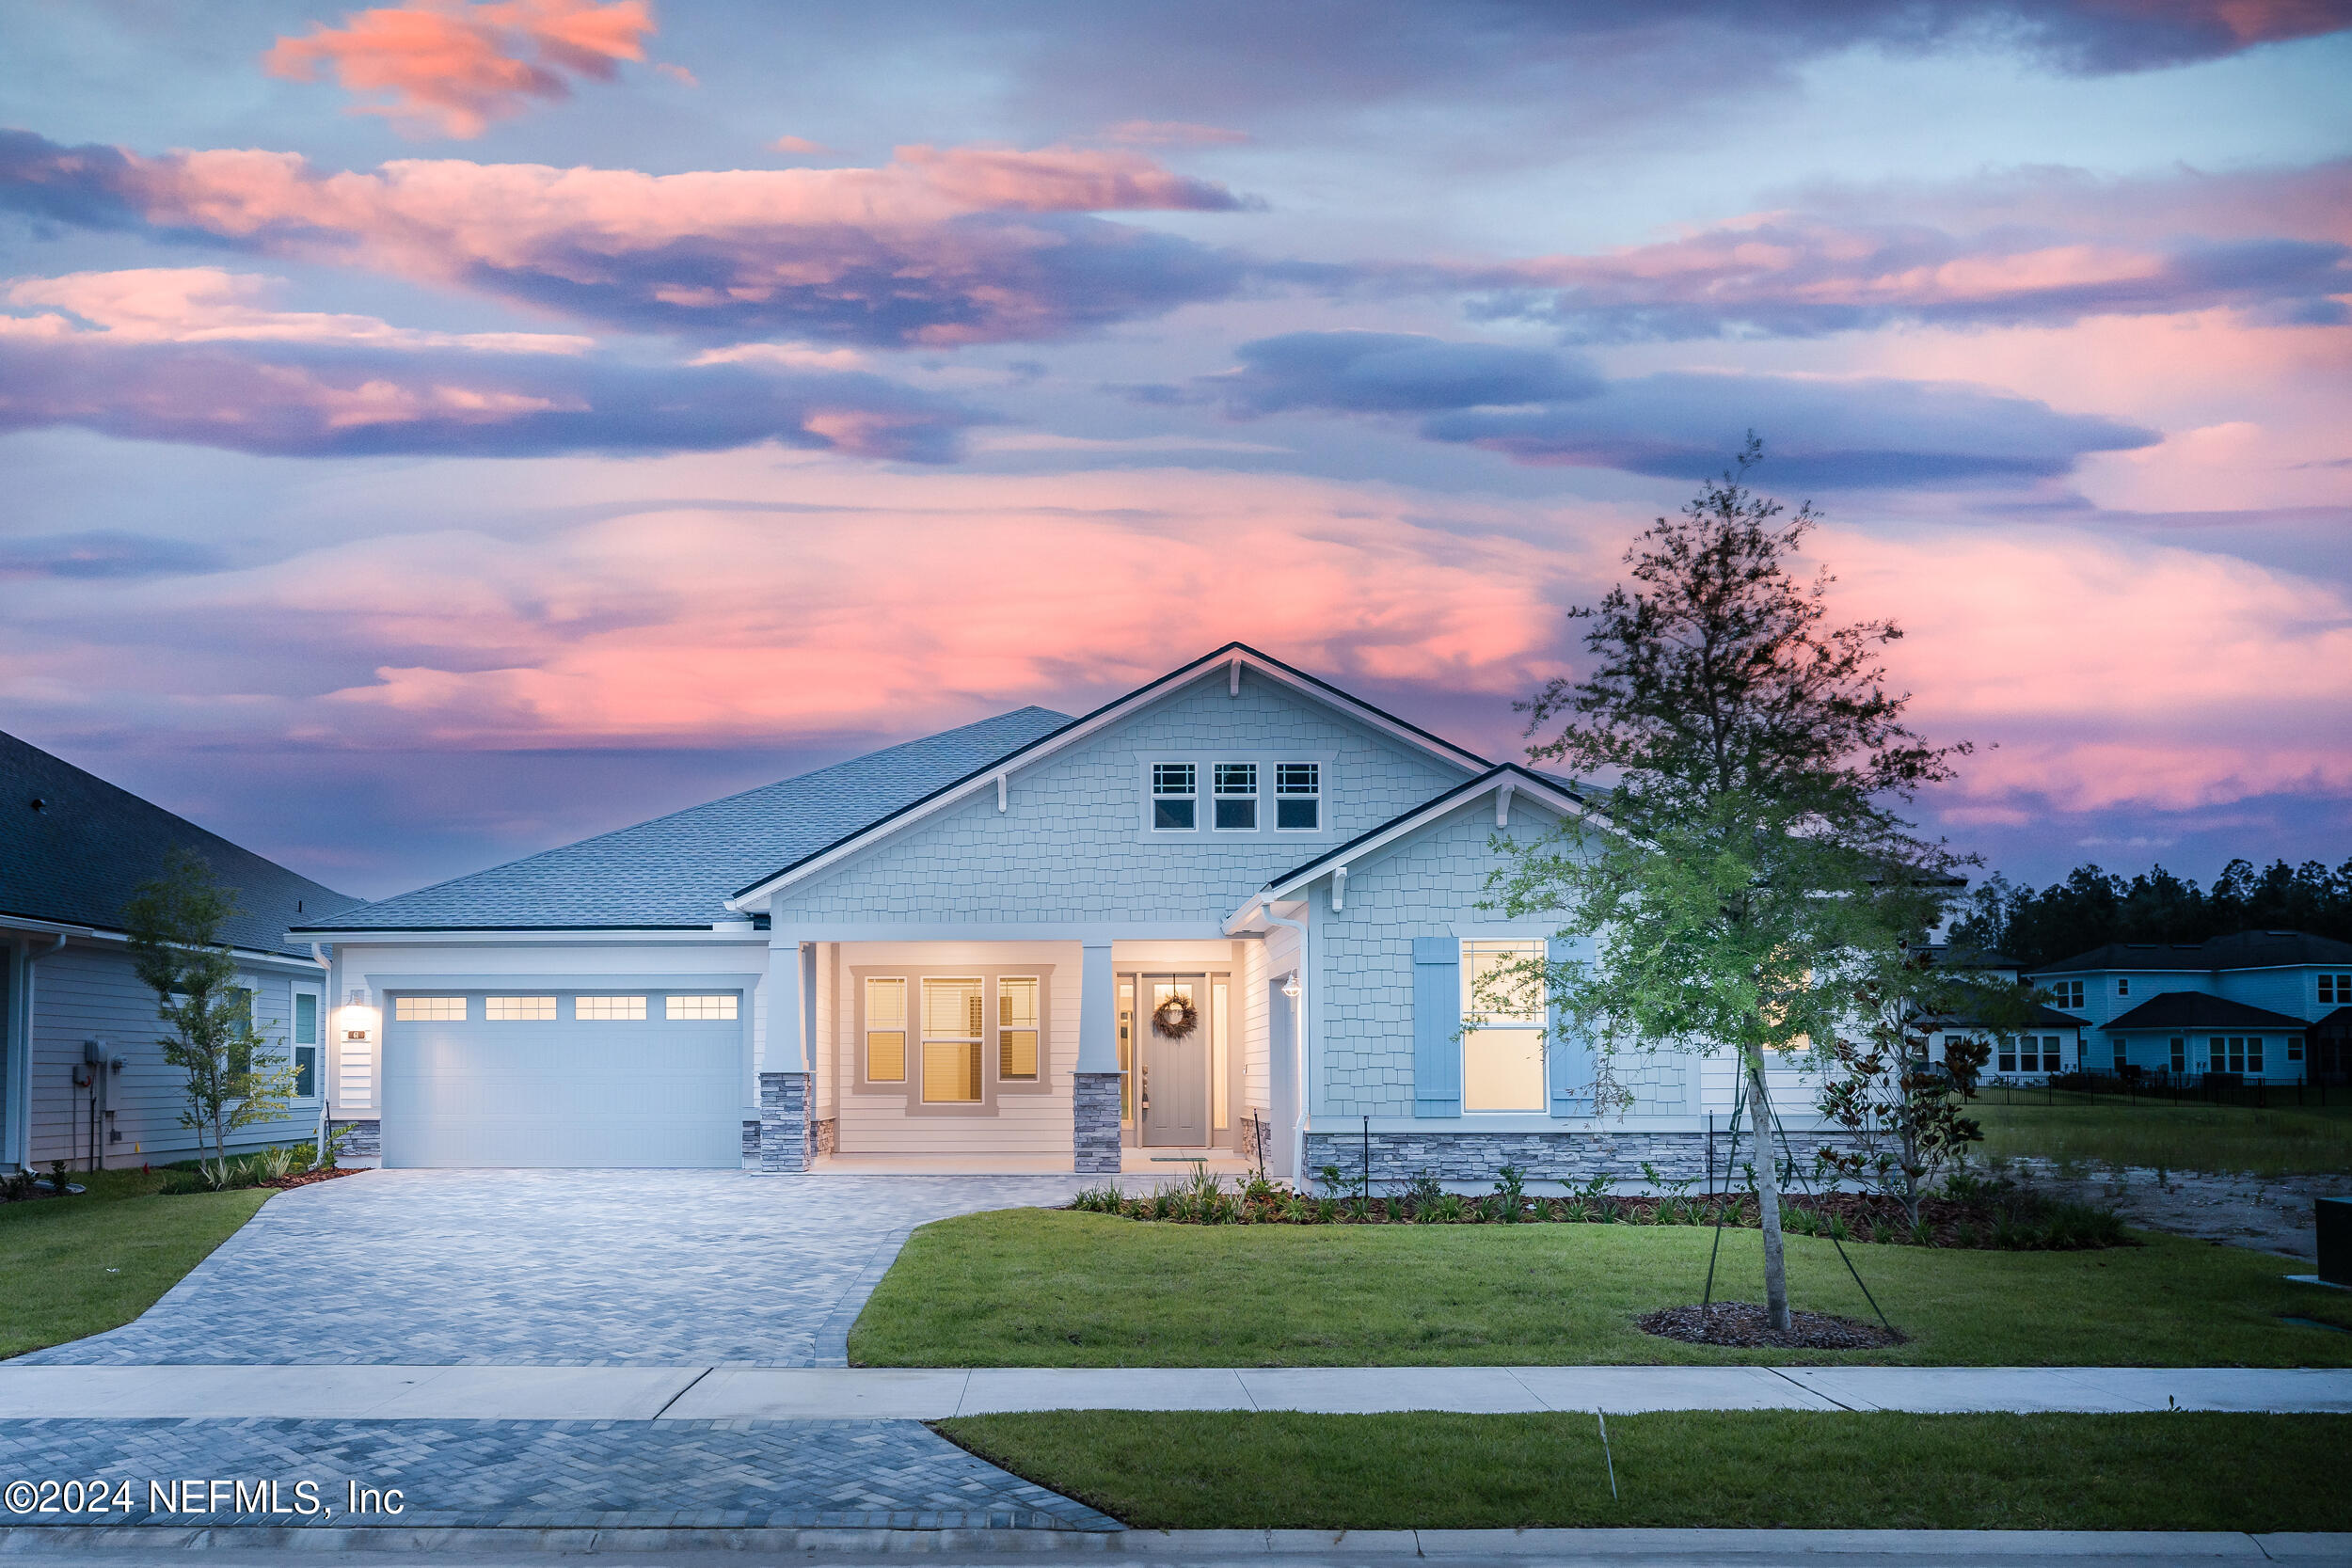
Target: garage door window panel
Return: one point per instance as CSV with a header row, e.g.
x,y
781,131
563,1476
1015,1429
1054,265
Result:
x,y
518,1009
608,1010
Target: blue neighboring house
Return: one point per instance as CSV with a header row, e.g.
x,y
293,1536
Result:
x,y
2269,1007
1233,914
73,850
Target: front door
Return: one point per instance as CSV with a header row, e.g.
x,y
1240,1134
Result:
x,y
1175,1088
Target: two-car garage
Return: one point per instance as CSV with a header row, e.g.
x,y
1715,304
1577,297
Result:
x,y
558,1078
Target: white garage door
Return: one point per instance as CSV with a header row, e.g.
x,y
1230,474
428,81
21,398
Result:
x,y
563,1079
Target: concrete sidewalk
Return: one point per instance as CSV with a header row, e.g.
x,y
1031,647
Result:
x,y
779,1393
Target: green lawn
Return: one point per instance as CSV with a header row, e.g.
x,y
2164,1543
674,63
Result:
x,y
1232,1469
2279,1141
77,1266
1059,1288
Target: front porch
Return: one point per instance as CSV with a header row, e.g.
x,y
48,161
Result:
x,y
1139,1056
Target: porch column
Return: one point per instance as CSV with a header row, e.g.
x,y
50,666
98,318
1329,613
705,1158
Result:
x,y
784,1078
1094,1077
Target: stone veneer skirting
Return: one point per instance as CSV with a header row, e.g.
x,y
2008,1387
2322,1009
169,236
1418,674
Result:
x,y
367,1143
784,1130
1568,1158
1094,1122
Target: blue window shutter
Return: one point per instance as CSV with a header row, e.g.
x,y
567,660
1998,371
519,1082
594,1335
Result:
x,y
1437,1026
1568,1064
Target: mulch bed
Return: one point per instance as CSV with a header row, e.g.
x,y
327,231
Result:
x,y
1743,1323
304,1178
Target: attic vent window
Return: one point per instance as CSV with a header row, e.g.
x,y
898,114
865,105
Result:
x,y
38,803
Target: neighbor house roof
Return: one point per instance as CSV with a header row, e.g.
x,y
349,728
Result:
x,y
675,872
2037,1016
2195,1010
2238,950
73,849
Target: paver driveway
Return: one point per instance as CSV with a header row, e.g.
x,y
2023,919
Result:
x,y
550,1268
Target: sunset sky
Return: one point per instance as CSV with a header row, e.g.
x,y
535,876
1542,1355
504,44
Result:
x,y
432,435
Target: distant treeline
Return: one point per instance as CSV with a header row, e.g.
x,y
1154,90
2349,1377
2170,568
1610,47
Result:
x,y
2091,908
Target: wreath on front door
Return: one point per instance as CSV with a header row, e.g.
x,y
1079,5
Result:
x,y
1176,1017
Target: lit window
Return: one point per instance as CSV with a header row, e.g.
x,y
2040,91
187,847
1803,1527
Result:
x,y
1220,1056
700,1008
1299,796
610,1009
1175,802
1237,803
953,1020
429,1010
885,1030
1017,1030
1502,1025
1126,1051
518,1009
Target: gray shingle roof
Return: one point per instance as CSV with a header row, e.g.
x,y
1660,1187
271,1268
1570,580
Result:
x,y
77,857
2238,950
2195,1010
676,871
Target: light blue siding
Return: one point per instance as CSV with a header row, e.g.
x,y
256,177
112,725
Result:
x,y
1419,887
1071,848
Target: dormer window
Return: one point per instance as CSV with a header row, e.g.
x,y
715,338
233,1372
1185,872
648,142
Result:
x,y
1175,798
2123,988
1299,796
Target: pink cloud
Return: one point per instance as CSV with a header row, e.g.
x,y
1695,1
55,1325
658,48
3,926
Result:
x,y
454,68
205,305
939,245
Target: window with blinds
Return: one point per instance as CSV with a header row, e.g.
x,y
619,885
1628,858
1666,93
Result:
x,y
885,1030
1017,1029
954,1021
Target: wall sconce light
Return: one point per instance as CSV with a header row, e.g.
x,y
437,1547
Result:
x,y
1290,986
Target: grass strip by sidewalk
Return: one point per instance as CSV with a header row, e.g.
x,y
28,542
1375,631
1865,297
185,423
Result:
x,y
78,1266
1688,1470
2282,1140
1042,1287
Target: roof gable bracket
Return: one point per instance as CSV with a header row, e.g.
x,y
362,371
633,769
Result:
x,y
1001,788
1233,676
1503,805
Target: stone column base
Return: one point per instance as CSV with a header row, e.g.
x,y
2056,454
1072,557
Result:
x,y
783,1123
1094,1123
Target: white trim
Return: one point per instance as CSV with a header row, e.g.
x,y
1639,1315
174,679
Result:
x,y
1559,800
569,936
756,895
32,926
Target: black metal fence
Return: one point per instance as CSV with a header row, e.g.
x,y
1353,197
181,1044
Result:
x,y
2167,1088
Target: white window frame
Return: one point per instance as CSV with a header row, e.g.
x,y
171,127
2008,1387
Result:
x,y
1218,795
1316,794
706,1006
521,1007
1204,764
317,1045
1190,796
2122,985
625,1015
2338,983
925,1039
432,1009
995,1015
1520,1027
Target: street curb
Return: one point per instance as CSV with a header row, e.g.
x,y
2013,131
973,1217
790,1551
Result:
x,y
1204,1545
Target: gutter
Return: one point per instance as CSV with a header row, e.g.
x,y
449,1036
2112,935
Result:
x,y
21,1068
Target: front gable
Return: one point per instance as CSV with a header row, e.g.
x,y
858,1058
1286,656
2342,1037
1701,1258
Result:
x,y
1068,836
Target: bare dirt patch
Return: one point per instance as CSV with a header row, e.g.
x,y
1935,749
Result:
x,y
2264,1213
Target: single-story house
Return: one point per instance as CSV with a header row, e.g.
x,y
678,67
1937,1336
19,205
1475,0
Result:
x,y
82,1079
1234,913
2263,1005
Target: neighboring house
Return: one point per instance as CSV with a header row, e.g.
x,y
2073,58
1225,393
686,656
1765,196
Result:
x,y
2045,1043
73,850
1231,913
2269,1005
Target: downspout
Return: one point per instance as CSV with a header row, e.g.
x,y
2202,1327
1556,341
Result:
x,y
21,1073
326,1054
1298,1038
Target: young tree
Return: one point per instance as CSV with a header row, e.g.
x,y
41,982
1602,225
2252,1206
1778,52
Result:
x,y
1903,1117
1751,874
233,1079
